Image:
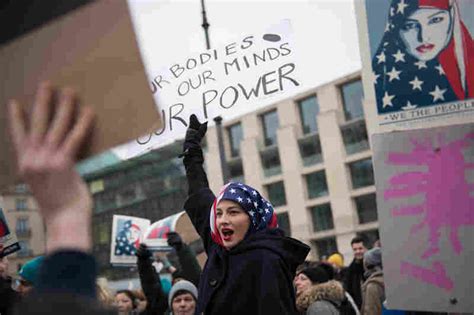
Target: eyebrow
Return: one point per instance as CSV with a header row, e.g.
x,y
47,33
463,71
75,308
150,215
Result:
x,y
439,12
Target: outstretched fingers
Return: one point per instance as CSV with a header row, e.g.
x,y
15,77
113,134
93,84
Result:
x,y
79,131
17,125
62,118
41,111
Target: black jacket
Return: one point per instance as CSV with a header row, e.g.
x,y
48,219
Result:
x,y
190,269
255,277
353,280
157,301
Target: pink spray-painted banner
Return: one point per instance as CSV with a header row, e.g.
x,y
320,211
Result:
x,y
425,197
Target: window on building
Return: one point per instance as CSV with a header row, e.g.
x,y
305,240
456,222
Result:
x,y
102,233
276,194
25,249
22,225
270,127
284,222
353,94
20,188
354,135
236,170
325,247
235,137
366,208
309,109
316,184
310,150
362,173
369,237
270,161
21,204
322,217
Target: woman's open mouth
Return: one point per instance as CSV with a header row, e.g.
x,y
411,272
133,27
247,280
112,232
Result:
x,y
425,48
227,234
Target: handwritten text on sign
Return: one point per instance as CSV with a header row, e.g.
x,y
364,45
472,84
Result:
x,y
222,80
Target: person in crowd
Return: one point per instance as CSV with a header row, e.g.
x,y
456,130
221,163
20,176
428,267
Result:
x,y
317,292
183,298
373,289
354,274
126,302
337,262
151,283
28,276
104,295
47,142
189,267
250,264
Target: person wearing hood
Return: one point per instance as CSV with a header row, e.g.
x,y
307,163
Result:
x,y
373,289
250,264
317,292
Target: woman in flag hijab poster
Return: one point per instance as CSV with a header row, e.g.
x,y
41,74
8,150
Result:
x,y
250,262
425,57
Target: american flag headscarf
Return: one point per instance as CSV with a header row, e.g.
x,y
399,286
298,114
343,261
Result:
x,y
402,82
258,208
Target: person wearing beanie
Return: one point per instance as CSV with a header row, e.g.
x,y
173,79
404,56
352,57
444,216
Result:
x,y
373,289
29,273
317,292
183,298
250,261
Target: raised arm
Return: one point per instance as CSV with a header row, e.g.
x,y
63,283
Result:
x,y
47,143
200,197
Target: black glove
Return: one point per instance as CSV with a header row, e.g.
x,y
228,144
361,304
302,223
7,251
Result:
x,y
196,131
143,252
174,240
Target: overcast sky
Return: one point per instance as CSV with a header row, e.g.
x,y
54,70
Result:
x,y
325,31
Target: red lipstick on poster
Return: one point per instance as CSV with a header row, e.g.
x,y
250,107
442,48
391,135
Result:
x,y
425,48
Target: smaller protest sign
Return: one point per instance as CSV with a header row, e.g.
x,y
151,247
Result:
x,y
127,234
7,237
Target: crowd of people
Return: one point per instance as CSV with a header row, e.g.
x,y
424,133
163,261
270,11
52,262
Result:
x,y
251,268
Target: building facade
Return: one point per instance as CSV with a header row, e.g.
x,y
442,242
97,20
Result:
x,y
24,219
310,155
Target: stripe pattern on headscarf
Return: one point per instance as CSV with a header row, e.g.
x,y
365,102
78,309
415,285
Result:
x,y
260,211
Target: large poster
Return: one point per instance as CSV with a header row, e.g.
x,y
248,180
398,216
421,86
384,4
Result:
x,y
419,60
248,72
425,199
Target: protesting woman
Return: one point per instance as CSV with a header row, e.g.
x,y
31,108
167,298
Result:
x,y
250,263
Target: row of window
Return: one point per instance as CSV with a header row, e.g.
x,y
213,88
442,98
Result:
x,y
352,95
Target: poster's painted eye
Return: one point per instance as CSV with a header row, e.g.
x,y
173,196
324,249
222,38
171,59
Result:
x,y
436,20
272,37
409,25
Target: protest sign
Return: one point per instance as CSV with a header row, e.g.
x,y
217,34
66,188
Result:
x,y
127,234
156,235
7,237
425,199
418,62
93,50
242,76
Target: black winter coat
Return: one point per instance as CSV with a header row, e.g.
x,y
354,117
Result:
x,y
157,301
255,277
353,280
